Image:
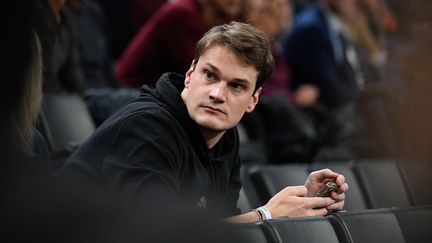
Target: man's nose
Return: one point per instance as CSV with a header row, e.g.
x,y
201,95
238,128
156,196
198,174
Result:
x,y
218,92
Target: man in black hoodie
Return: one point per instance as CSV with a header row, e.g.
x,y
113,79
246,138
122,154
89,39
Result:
x,y
177,146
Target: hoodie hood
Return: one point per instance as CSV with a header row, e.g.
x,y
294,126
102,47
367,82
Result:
x,y
167,92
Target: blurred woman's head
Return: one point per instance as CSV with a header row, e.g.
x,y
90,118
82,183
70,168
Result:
x,y
22,75
28,106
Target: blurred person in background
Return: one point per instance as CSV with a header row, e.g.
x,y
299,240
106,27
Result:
x,y
321,54
62,71
368,22
102,91
289,135
142,10
90,28
23,150
166,42
275,18
124,19
369,25
76,55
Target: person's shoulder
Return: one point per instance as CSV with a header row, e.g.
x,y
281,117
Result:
x,y
144,111
141,107
311,16
309,25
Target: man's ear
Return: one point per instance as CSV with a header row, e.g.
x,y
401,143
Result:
x,y
189,73
254,100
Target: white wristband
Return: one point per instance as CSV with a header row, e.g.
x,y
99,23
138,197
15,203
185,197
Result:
x,y
266,212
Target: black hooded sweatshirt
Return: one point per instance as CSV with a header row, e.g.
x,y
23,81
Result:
x,y
151,150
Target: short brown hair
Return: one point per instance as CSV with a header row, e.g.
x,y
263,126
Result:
x,y
247,42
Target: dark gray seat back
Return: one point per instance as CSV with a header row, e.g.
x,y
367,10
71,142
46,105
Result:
x,y
382,184
371,226
66,120
270,179
304,230
415,223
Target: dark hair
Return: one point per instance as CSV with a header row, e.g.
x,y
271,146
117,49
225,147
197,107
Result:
x,y
247,42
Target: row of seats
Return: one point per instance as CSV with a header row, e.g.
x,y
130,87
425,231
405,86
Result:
x,y
372,183
65,123
412,224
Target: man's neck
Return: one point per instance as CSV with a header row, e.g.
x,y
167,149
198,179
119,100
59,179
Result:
x,y
211,137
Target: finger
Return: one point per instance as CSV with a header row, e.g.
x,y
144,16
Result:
x,y
340,180
343,188
319,202
323,174
300,191
327,180
338,196
336,206
318,212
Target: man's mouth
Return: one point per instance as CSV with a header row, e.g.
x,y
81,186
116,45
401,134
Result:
x,y
213,109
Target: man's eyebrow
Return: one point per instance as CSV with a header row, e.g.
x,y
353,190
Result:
x,y
213,67
238,80
243,82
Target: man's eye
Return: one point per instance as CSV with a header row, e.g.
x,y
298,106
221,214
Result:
x,y
209,75
237,87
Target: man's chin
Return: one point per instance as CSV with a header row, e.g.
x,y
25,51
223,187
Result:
x,y
212,127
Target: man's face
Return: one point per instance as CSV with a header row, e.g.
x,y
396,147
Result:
x,y
219,89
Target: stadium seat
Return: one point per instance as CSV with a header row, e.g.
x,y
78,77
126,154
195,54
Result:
x,y
416,175
415,223
248,191
303,230
270,179
371,226
258,232
65,122
382,184
243,202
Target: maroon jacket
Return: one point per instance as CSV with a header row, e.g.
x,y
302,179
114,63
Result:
x,y
280,79
166,43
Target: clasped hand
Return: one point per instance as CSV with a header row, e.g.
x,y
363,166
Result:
x,y
295,201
